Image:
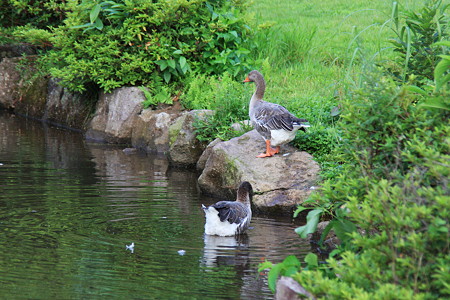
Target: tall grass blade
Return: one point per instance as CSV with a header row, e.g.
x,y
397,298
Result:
x,y
408,51
395,14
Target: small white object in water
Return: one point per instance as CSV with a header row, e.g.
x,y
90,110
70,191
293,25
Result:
x,y
182,252
286,154
130,247
312,188
1,164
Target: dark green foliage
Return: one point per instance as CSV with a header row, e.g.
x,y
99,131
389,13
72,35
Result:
x,y
119,43
123,42
415,41
396,191
39,14
288,267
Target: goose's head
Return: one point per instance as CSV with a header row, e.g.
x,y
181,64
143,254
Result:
x,y
254,76
245,192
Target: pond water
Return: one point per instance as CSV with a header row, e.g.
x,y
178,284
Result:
x,y
69,207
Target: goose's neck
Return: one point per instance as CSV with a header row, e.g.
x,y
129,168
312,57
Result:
x,y
260,89
244,198
259,93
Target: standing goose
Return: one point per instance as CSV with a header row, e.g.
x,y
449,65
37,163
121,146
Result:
x,y
226,218
273,121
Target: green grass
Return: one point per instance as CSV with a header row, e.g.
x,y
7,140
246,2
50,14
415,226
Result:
x,y
306,51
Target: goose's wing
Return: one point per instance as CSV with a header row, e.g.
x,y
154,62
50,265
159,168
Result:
x,y
233,212
271,116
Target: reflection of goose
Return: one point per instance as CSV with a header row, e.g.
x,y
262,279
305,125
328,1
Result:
x,y
273,121
221,250
227,218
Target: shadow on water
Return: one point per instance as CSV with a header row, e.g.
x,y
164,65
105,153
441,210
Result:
x,y
68,208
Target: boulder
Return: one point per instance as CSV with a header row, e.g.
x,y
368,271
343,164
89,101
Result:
x,y
22,91
19,50
289,289
33,96
281,182
115,115
67,108
9,83
185,149
201,162
151,130
39,97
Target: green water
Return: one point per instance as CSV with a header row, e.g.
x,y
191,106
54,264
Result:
x,y
68,208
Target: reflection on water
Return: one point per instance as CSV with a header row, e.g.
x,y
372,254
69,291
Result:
x,y
69,208
225,250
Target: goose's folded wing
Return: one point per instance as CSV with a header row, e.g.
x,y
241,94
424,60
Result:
x,y
233,212
271,116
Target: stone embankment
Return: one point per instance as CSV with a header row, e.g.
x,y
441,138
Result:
x,y
280,182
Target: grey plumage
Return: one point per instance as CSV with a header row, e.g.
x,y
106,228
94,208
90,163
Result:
x,y
270,116
232,212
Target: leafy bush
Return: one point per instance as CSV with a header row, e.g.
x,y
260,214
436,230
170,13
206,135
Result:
x,y
394,188
156,93
39,38
200,91
38,14
416,36
118,43
318,140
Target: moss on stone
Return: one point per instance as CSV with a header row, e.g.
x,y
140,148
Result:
x,y
175,128
231,174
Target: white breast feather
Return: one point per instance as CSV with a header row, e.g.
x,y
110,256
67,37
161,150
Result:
x,y
281,136
214,226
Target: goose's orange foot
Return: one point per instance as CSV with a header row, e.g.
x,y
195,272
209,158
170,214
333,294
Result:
x,y
270,152
264,155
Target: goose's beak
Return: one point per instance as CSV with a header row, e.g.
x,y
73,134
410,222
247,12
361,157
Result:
x,y
246,79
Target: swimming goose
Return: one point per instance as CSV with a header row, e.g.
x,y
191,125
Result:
x,y
273,121
226,218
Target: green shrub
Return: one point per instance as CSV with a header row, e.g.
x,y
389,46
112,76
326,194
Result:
x,y
39,38
119,43
417,33
156,93
38,14
394,189
200,91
